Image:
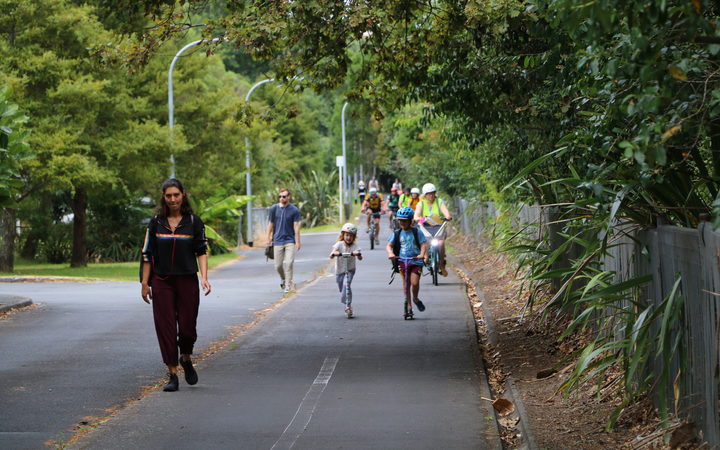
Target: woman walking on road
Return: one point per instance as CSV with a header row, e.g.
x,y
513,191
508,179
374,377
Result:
x,y
174,245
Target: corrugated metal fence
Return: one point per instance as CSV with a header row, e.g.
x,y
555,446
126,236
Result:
x,y
665,252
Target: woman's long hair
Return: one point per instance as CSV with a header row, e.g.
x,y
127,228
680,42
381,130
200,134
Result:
x,y
163,209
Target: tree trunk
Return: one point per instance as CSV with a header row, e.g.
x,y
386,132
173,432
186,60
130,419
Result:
x,y
7,240
79,249
30,247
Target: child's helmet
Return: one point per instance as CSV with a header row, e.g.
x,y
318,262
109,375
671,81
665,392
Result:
x,y
415,191
428,187
405,212
349,228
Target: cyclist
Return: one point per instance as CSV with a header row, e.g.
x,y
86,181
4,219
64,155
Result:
x,y
361,191
397,185
373,183
346,244
414,198
410,246
393,203
374,202
405,196
430,212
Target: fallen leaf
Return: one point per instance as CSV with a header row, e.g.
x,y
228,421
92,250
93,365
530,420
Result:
x,y
503,406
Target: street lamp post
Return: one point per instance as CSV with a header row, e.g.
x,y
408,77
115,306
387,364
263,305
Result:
x,y
248,179
344,162
171,104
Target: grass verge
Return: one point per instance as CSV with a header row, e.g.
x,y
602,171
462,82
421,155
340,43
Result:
x,y
125,271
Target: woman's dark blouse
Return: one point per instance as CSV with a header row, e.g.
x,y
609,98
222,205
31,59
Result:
x,y
174,253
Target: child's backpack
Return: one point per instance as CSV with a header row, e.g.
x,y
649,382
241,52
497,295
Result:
x,y
396,246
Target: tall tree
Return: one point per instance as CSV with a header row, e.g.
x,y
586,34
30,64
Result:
x,y
14,151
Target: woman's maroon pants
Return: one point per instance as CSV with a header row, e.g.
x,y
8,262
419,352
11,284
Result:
x,y
176,299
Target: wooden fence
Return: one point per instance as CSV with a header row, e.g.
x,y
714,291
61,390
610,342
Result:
x,y
666,253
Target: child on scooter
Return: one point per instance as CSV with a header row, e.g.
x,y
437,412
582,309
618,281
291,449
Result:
x,y
346,244
409,246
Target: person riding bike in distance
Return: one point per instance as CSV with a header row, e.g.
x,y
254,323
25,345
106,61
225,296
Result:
x,y
408,246
374,202
430,212
361,191
414,198
405,197
393,203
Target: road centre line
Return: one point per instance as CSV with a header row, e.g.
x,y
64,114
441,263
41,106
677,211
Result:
x,y
304,413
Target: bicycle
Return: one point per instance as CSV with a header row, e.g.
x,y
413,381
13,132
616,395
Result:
x,y
347,291
433,261
374,226
394,225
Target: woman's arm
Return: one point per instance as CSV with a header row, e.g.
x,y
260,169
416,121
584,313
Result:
x,y
445,211
203,263
146,255
418,211
145,291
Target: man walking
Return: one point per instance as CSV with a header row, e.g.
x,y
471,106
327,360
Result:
x,y
284,235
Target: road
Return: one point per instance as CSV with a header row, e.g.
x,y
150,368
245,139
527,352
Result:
x,y
303,377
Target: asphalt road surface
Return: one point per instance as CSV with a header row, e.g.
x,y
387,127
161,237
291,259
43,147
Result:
x,y
303,377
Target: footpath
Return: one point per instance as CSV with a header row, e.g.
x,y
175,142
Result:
x,y
307,377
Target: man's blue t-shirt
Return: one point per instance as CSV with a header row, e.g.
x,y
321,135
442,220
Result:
x,y
284,219
408,248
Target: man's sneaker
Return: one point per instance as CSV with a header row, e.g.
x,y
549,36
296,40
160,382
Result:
x,y
191,376
172,384
420,306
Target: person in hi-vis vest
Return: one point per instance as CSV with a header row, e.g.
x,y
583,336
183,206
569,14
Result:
x,y
431,211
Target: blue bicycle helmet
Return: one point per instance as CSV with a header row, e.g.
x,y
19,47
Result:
x,y
405,212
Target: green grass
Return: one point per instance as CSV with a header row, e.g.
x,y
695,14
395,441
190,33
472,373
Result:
x,y
127,271
335,226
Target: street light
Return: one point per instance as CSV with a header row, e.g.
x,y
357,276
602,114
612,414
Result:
x,y
171,105
344,162
248,181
